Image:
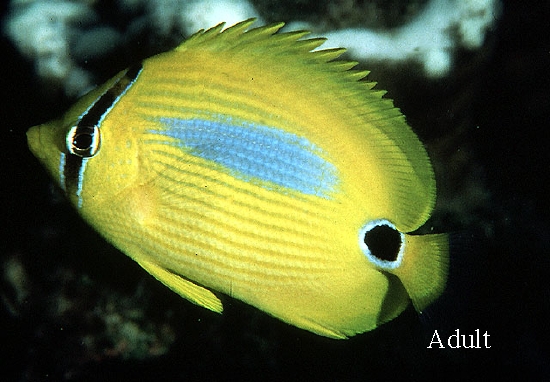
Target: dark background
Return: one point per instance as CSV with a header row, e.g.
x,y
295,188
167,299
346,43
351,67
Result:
x,y
485,127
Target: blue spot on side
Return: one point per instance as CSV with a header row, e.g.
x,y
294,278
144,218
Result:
x,y
252,151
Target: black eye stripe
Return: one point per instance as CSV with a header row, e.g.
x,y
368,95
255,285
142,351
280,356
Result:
x,y
94,115
83,140
71,172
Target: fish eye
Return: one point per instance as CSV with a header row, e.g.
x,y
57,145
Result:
x,y
83,141
382,244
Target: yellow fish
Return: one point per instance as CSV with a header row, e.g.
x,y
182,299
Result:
x,y
243,162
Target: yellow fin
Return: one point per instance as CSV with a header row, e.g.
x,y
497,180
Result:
x,y
185,288
262,40
424,268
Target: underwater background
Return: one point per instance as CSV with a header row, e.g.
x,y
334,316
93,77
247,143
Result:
x,y
75,309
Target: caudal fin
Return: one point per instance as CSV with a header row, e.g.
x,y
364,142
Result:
x,y
424,269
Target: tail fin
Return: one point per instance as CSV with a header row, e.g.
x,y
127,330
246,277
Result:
x,y
423,271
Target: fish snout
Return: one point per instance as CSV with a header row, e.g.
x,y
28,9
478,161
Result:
x,y
34,142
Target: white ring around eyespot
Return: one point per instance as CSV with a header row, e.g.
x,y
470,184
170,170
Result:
x,y
383,264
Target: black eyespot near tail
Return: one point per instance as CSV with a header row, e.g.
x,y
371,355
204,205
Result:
x,y
382,243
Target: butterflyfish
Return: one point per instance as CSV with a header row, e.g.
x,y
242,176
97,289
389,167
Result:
x,y
248,163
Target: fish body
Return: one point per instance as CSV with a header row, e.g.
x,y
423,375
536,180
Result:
x,y
245,163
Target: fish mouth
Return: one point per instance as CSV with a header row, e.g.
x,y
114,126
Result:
x,y
34,142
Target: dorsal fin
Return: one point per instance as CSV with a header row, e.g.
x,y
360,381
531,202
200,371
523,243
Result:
x,y
266,38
